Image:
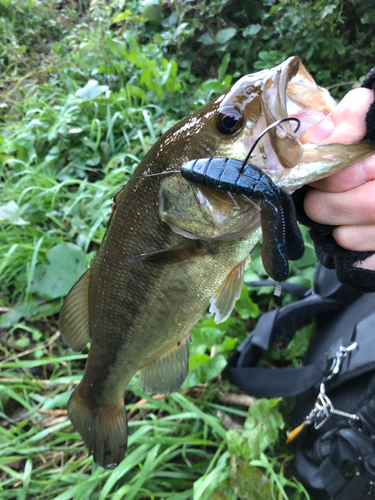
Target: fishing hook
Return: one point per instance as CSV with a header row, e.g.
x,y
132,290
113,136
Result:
x,y
270,127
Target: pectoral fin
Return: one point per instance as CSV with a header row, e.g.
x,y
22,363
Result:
x,y
166,374
223,301
177,253
74,315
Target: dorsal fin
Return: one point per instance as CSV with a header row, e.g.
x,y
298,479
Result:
x,y
74,315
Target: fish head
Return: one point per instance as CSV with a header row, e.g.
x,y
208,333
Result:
x,y
230,126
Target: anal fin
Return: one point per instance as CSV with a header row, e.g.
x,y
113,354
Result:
x,y
222,303
166,374
74,315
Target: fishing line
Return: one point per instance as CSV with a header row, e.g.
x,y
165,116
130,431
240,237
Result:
x,y
270,127
250,201
236,205
154,175
277,290
244,163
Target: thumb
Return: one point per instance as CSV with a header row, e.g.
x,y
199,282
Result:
x,y
319,132
345,124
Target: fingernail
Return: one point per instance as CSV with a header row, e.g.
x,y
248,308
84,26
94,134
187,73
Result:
x,y
318,132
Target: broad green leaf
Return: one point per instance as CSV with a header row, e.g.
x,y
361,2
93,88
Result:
x,y
10,213
223,36
245,307
208,335
299,343
368,17
205,369
261,429
206,39
196,360
228,344
212,86
67,263
121,16
249,481
32,310
23,342
252,30
91,90
118,49
134,91
10,318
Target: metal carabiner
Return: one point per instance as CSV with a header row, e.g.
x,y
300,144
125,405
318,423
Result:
x,y
340,354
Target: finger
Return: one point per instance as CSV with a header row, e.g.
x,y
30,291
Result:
x,y
357,238
349,178
368,263
356,206
345,124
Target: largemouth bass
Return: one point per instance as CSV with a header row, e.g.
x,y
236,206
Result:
x,y
173,248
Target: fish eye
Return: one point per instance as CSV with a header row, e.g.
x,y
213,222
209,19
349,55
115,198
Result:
x,y
229,120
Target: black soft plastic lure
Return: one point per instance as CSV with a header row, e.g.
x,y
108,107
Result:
x,y
282,239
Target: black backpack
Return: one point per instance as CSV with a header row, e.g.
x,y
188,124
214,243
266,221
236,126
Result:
x,y
335,389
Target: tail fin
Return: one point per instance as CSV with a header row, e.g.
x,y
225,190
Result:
x,y
104,429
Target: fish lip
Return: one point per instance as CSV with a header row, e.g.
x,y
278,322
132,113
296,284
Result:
x,y
274,108
280,76
288,70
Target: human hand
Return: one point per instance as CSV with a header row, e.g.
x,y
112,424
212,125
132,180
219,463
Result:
x,y
346,199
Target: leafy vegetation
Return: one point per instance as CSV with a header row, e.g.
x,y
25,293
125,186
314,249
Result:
x,y
86,88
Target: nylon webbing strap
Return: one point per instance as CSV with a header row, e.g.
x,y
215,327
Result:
x,y
340,488
268,383
332,479
356,488
278,324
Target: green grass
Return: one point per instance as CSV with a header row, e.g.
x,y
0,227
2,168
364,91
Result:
x,y
85,91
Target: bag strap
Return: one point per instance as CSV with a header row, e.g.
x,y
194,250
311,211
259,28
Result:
x,y
281,324
292,288
278,324
263,383
340,487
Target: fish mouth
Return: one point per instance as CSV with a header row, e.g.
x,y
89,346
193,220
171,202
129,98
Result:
x,y
291,92
288,91
304,99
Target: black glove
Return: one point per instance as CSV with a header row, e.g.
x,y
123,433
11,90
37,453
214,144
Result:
x,y
329,253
